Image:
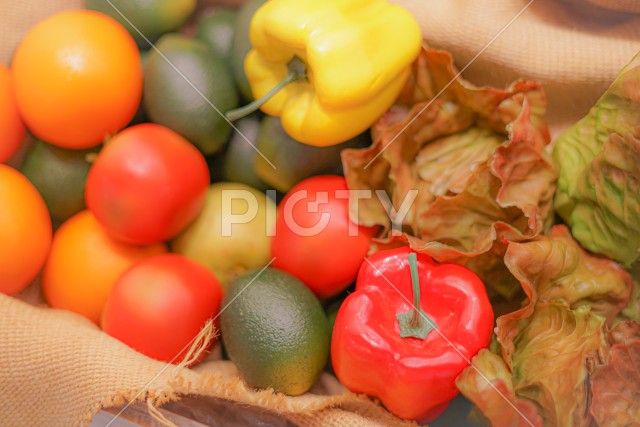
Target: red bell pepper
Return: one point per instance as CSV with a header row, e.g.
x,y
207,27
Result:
x,y
409,359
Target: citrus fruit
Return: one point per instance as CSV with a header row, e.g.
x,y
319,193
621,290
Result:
x,y
59,174
232,232
25,231
84,263
215,28
275,331
188,90
77,77
12,130
152,18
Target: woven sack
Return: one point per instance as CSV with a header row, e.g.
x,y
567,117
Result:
x,y
574,48
58,369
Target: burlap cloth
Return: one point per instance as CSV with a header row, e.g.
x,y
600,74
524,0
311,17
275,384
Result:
x,y
56,369
573,47
59,369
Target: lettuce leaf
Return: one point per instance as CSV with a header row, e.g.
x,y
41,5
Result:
x,y
632,310
551,358
615,386
547,349
556,268
544,380
487,383
598,160
477,158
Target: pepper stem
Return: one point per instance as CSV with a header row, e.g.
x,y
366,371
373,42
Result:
x,y
245,110
415,323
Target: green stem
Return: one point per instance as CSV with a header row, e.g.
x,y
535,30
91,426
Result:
x,y
416,321
244,111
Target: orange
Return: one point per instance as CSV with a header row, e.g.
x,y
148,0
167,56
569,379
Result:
x,y
25,231
84,263
77,78
12,130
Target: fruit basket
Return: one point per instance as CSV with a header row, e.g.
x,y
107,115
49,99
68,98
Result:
x,y
480,197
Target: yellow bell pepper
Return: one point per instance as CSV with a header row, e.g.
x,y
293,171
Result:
x,y
356,55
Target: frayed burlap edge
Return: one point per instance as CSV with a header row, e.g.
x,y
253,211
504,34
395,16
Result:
x,y
57,368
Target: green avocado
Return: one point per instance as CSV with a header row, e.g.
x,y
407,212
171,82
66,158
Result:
x,y
237,162
216,28
152,18
242,45
275,330
59,175
291,161
188,89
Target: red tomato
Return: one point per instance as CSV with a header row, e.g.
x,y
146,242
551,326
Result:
x,y
160,304
147,184
315,239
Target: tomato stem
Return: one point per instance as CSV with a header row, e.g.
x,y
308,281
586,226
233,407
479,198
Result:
x,y
244,111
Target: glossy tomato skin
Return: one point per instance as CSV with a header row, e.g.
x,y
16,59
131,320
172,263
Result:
x,y
147,184
160,304
315,240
